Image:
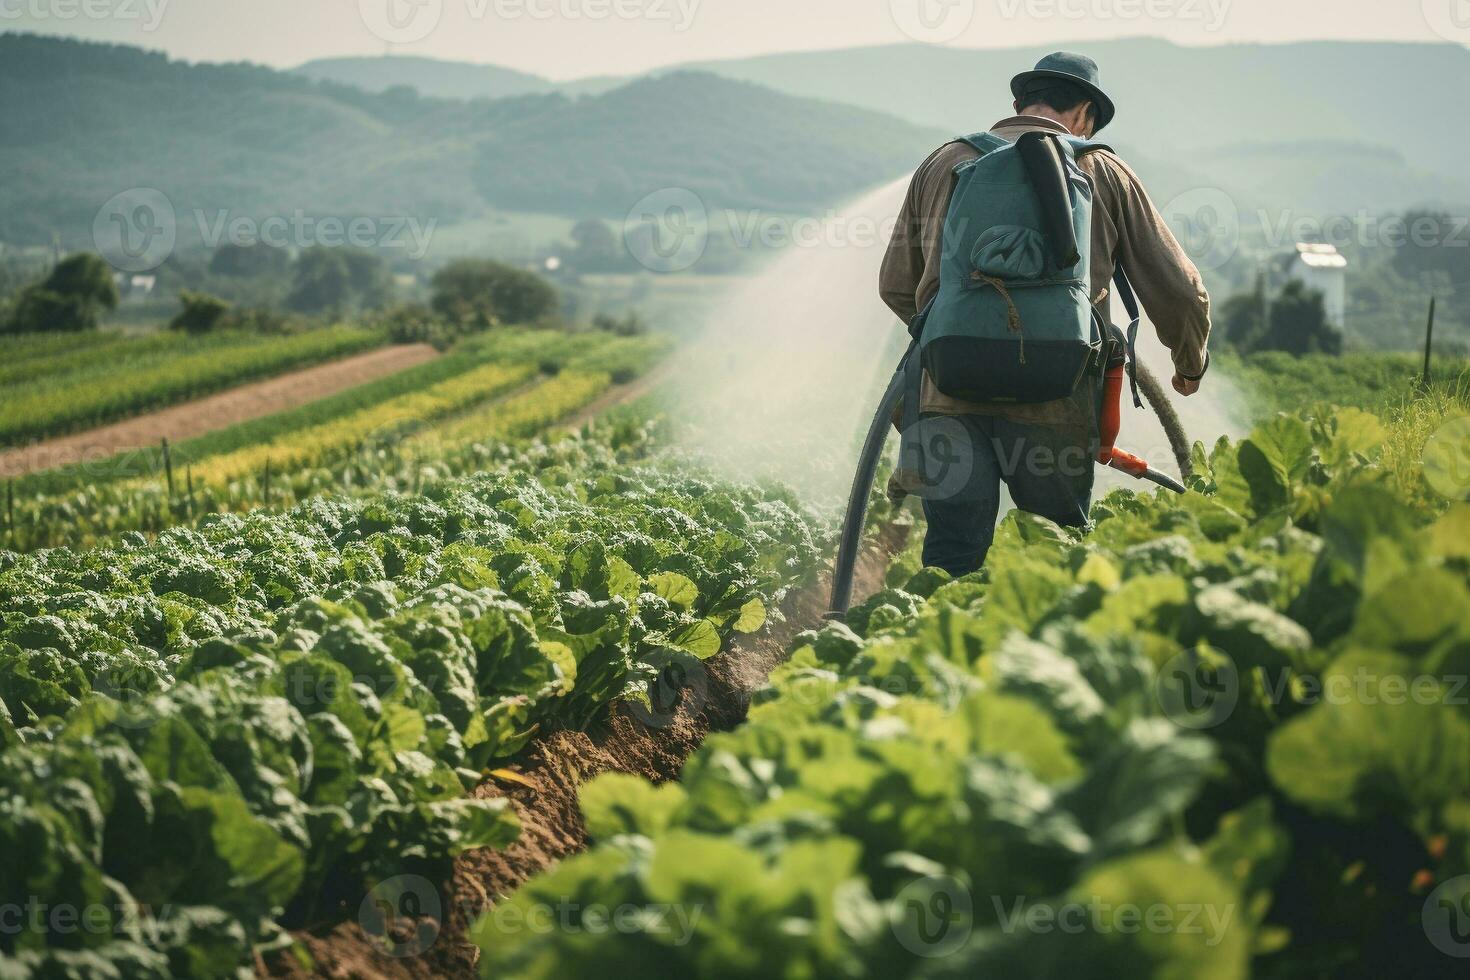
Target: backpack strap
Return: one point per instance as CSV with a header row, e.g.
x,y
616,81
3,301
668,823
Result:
x,y
983,143
1081,146
1124,289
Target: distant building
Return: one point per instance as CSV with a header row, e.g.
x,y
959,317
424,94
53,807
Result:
x,y
136,286
1323,268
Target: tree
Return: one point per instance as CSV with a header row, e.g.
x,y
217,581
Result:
x,y
1242,318
201,313
1298,323
594,247
323,282
1432,250
249,261
372,282
1295,321
69,299
483,293
339,280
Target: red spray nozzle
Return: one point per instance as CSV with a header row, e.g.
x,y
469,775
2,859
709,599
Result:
x,y
1108,426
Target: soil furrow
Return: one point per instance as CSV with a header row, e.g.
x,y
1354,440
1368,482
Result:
x,y
544,796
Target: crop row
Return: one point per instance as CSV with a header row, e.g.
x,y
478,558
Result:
x,y
85,354
221,732
528,413
1223,735
115,385
83,504
385,421
42,348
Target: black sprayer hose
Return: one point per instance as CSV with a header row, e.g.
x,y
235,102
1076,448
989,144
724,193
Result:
x,y
1158,398
857,500
862,484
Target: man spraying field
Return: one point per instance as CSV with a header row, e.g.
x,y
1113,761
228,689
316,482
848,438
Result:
x,y
1007,250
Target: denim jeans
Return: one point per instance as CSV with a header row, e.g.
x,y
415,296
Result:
x,y
1048,469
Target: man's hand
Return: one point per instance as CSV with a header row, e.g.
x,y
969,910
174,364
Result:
x,y
1184,386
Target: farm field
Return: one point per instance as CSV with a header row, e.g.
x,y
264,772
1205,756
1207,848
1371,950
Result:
x,y
1147,721
265,701
449,412
53,387
212,413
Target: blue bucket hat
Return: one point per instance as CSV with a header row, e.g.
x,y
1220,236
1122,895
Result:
x,y
1076,68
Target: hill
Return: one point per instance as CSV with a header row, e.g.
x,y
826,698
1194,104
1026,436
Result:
x,y
428,76
1325,127
1201,108
83,122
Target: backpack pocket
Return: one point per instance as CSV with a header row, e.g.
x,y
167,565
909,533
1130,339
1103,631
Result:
x,y
1010,252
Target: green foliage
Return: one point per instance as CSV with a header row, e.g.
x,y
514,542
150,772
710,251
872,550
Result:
x,y
595,248
201,313
1297,322
68,300
629,325
1234,705
413,324
480,293
128,492
117,378
292,144
249,261
1375,382
338,281
226,721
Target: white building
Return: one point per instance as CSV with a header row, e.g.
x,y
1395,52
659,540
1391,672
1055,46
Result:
x,y
1323,268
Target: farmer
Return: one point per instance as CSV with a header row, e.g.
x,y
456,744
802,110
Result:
x,y
1061,95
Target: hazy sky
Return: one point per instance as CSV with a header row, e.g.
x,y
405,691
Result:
x,y
572,38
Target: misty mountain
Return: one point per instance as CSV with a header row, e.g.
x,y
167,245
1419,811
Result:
x,y
1394,107
83,122
1320,126
428,76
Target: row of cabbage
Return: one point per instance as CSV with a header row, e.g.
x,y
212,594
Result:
x,y
245,726
1223,735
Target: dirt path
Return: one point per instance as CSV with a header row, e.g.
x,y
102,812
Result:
x,y
214,412
544,797
619,395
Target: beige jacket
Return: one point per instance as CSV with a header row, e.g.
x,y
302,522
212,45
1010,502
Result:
x,y
1126,228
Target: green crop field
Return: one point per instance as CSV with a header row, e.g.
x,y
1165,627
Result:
x,y
56,387
450,414
287,678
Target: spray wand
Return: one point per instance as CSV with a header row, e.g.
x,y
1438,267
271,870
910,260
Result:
x,y
1111,421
